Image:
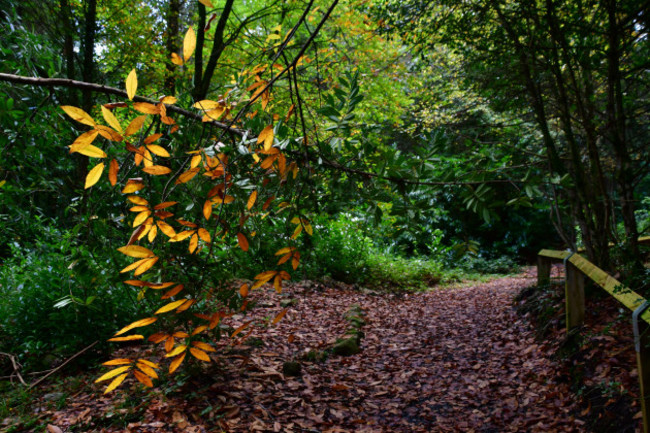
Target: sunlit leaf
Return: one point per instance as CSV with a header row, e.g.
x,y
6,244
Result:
x,y
146,108
204,235
141,217
143,379
158,150
266,137
199,354
83,140
136,251
135,125
119,361
147,369
78,114
136,324
110,118
147,362
148,264
194,242
176,59
203,346
131,85
93,175
171,306
176,351
166,228
109,133
189,44
176,362
115,383
189,174
92,151
157,170
127,338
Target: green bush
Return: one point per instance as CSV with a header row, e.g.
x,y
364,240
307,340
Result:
x,y
482,265
394,272
55,299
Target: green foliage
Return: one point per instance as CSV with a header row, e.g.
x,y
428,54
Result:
x,y
57,298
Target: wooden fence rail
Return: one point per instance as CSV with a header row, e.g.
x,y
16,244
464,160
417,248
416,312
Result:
x,y
576,269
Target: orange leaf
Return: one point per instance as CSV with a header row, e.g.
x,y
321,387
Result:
x,y
251,200
243,242
112,172
204,235
133,185
199,354
176,362
127,338
143,378
188,175
241,328
173,292
266,137
119,361
157,170
135,125
279,316
203,346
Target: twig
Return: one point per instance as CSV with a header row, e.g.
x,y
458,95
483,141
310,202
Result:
x,y
16,366
54,370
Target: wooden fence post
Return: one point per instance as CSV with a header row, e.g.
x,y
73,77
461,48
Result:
x,y
543,271
574,293
642,345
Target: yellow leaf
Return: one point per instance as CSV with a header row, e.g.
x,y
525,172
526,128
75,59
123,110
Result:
x,y
176,351
113,168
119,361
157,170
115,383
108,133
133,185
141,217
266,137
309,229
189,174
279,316
198,330
137,324
189,44
91,151
171,306
196,160
127,338
199,354
143,378
136,251
147,362
206,3
112,373
78,114
213,114
144,267
158,150
135,199
176,59
133,266
203,346
166,228
148,370
182,236
94,175
146,108
152,231
135,125
251,200
110,118
131,85
243,242
206,105
83,140
176,363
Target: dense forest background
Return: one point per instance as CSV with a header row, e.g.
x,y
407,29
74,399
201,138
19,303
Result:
x,y
411,142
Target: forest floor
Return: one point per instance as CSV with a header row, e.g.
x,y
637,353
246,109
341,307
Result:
x,y
456,359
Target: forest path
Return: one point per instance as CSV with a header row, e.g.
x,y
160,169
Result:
x,y
449,360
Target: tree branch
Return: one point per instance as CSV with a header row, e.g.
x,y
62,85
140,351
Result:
x,y
100,88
